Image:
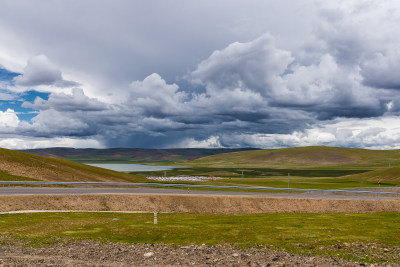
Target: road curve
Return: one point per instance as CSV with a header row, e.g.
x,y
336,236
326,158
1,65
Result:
x,y
160,191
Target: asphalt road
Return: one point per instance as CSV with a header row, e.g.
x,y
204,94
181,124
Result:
x,y
17,190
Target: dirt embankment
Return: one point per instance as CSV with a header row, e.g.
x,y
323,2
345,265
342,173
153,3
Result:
x,y
201,204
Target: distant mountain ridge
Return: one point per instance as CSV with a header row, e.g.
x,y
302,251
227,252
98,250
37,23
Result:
x,y
131,154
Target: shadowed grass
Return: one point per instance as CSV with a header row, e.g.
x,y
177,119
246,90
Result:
x,y
9,177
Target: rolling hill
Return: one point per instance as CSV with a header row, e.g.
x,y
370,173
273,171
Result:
x,y
391,174
304,158
130,154
15,165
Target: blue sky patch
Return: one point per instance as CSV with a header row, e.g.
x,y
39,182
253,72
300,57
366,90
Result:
x,y
25,114
8,76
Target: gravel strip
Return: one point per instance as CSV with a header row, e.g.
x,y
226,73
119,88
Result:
x,y
92,253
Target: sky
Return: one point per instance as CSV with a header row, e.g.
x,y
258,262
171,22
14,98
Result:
x,y
177,73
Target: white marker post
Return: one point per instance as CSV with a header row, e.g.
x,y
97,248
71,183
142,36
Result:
x,y
155,217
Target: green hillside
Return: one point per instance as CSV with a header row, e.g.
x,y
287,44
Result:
x,y
304,158
384,175
15,165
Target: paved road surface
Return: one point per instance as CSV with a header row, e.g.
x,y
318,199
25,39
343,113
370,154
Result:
x,y
158,191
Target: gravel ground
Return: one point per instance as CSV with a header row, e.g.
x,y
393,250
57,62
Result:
x,y
91,253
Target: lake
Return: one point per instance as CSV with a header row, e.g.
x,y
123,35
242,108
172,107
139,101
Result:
x,y
133,167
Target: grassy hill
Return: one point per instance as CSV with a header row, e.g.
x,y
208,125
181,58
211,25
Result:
x,y
15,165
385,175
130,154
304,158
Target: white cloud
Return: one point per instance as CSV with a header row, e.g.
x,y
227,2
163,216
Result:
x,y
77,101
8,118
255,65
53,123
383,133
32,143
6,95
211,142
170,39
39,71
154,95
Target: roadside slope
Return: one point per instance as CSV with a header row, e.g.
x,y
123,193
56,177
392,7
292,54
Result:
x,y
194,203
15,163
303,158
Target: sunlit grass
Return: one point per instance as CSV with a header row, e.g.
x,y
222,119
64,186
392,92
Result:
x,y
316,234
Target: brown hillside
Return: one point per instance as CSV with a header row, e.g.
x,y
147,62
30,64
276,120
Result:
x,y
51,169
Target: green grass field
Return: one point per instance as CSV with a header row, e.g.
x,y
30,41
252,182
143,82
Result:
x,y
306,179
251,172
361,237
309,167
304,183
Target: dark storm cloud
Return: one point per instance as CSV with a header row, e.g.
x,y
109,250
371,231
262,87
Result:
x,y
282,96
157,74
381,70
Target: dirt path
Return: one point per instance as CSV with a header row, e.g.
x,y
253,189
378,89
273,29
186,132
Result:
x,y
91,253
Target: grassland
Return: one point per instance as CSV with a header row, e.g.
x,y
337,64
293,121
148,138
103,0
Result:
x,y
19,166
299,178
251,172
361,237
9,177
309,167
304,158
309,183
385,174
